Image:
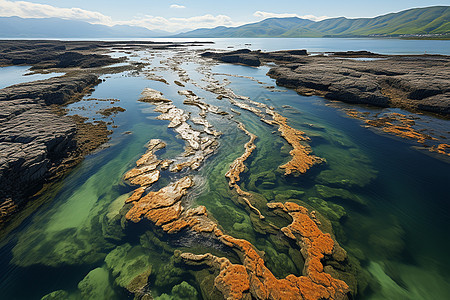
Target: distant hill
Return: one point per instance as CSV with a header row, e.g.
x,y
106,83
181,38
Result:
x,y
417,21
15,27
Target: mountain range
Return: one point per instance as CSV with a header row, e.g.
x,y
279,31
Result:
x,y
417,21
429,21
15,27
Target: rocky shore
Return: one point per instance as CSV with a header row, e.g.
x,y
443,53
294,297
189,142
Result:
x,y
38,142
415,83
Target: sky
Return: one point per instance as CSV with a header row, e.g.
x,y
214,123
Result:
x,y
183,15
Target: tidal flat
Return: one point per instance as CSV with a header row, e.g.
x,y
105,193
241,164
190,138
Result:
x,y
178,175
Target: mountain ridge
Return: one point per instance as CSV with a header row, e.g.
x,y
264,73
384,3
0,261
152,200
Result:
x,y
16,27
434,20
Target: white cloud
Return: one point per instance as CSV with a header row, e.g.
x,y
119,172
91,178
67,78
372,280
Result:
x,y
176,24
25,9
266,15
177,6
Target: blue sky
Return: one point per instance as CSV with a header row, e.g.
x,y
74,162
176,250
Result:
x,y
191,14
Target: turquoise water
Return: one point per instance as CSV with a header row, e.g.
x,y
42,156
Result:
x,y
18,74
391,215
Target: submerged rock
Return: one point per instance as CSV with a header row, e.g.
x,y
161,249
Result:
x,y
333,193
253,279
130,266
56,295
96,285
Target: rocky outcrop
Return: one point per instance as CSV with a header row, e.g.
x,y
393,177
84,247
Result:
x,y
34,141
409,82
244,57
52,54
199,143
70,54
146,173
237,167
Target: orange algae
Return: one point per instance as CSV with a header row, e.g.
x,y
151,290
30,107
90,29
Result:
x,y
315,284
237,167
302,159
251,278
162,201
441,149
164,209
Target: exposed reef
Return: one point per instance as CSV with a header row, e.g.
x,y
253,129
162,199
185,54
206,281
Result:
x,y
302,159
409,82
404,126
237,167
69,54
167,209
199,144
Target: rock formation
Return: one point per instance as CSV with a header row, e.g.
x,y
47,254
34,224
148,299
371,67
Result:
x,y
410,82
199,144
36,143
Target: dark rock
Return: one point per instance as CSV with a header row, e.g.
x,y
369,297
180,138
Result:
x,y
33,139
249,60
242,56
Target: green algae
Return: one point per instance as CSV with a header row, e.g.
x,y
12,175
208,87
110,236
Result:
x,y
182,291
411,283
130,266
96,285
330,193
57,295
331,211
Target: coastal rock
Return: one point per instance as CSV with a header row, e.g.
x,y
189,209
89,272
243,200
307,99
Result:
x,y
33,139
242,56
53,54
416,82
198,146
160,206
96,285
145,173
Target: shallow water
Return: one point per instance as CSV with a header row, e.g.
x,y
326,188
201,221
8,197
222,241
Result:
x,y
392,215
18,74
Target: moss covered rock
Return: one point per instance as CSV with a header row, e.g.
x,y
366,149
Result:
x,y
96,285
130,266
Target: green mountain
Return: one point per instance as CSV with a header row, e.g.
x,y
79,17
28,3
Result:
x,y
433,20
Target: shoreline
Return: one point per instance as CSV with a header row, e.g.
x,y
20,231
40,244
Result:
x,y
40,156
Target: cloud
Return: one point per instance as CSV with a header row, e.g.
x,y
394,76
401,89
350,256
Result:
x,y
266,15
177,6
25,9
176,24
